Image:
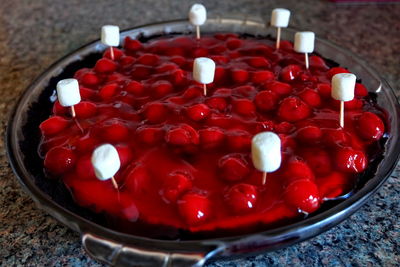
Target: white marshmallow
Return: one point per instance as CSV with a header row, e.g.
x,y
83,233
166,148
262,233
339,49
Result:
x,y
304,42
106,162
266,151
68,92
110,35
280,17
203,70
343,85
197,14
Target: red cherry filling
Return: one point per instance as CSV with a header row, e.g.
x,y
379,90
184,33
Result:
x,y
303,195
53,125
198,112
176,184
194,208
233,167
350,160
59,160
370,126
293,109
241,198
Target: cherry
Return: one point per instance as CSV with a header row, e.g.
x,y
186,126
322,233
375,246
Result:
x,y
217,103
175,185
319,161
350,160
219,59
53,125
233,43
303,195
86,93
258,62
262,76
178,60
108,91
138,181
290,72
90,79
105,65
182,135
336,70
297,169
198,112
244,107
370,126
135,87
360,90
309,134
335,137
279,87
211,137
284,127
200,52
317,62
85,109
239,140
161,88
126,61
114,131
59,160
86,144
141,72
266,100
233,167
125,154
117,53
150,135
240,75
220,74
193,92
324,89
148,59
293,109
242,198
166,67
84,168
310,97
194,208
155,112
132,44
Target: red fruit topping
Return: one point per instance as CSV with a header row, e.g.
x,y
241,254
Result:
x,y
309,134
166,67
319,161
105,65
182,135
135,87
108,91
155,112
350,160
336,70
148,59
89,79
233,43
132,44
325,90
198,112
117,53
211,137
244,107
258,62
317,62
296,170
175,185
59,160
242,198
86,144
360,90
286,45
303,195
161,88
239,75
114,131
262,76
335,137
293,109
284,127
84,168
266,100
125,154
217,103
239,140
279,87
193,92
220,59
194,208
140,72
86,93
150,135
200,52
310,97
53,125
138,181
290,73
85,109
370,126
233,167
178,60
220,74
126,61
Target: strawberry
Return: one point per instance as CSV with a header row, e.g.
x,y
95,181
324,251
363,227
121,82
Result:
x,y
350,160
293,109
266,100
211,137
53,125
233,167
155,112
198,112
370,126
242,198
175,185
302,195
194,208
59,160
105,65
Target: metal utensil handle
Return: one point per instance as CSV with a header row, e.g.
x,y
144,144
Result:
x,y
116,254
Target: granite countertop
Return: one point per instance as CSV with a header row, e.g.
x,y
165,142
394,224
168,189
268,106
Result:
x,y
34,34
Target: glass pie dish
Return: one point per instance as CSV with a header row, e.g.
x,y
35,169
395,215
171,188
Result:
x,y
120,249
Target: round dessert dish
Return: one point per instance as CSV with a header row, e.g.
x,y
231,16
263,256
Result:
x,y
121,243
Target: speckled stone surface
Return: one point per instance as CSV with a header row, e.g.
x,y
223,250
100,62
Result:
x,y
33,34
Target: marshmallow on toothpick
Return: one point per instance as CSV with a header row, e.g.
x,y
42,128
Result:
x,y
304,43
343,85
266,152
279,19
106,163
110,37
203,71
68,93
197,17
